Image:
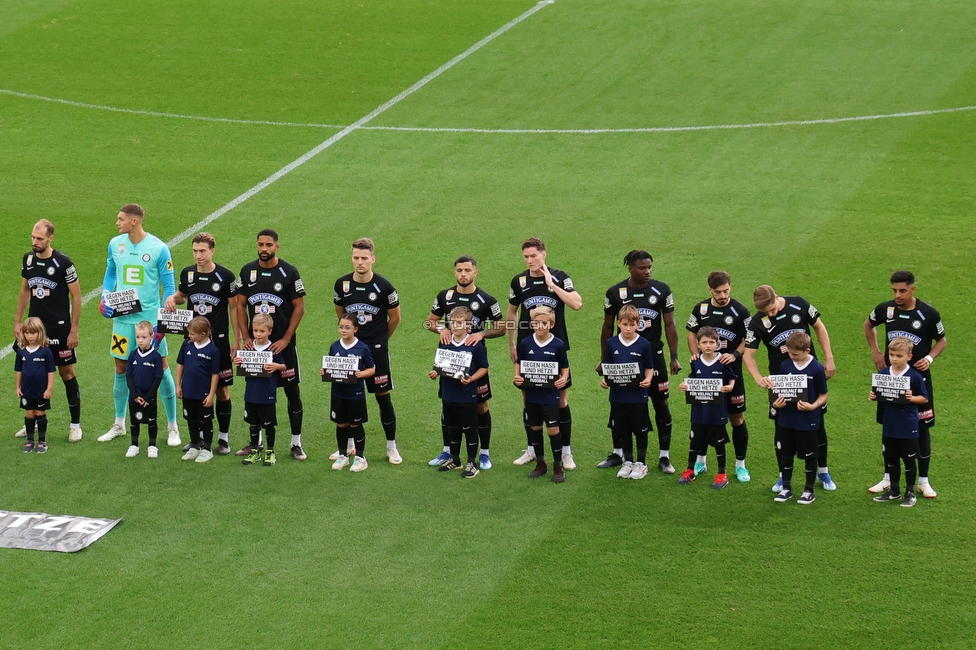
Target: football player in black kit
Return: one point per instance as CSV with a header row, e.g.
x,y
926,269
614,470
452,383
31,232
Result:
x,y
486,313
541,285
730,318
776,318
376,305
50,285
655,304
270,285
919,322
211,290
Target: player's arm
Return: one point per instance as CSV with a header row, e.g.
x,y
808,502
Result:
x,y
671,334
235,326
392,321
108,284
22,299
74,290
871,334
749,361
693,345
924,363
824,339
340,310
177,298
243,336
298,311
606,331
511,324
167,278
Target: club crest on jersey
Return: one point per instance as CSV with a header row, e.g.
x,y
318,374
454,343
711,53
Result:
x,y
51,270
41,292
345,286
795,318
253,277
203,309
277,286
522,281
215,286
146,257
475,305
916,324
728,320
372,295
652,300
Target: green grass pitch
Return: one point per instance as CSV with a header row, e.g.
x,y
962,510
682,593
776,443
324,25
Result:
x,y
298,556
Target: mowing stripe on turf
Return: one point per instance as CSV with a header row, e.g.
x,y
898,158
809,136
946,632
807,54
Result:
x,y
358,124
449,129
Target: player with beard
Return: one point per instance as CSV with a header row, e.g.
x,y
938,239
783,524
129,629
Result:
x,y
655,304
776,318
50,286
729,318
486,313
376,304
270,285
541,285
907,316
211,290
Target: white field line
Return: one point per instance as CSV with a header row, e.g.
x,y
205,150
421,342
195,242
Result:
x,y
358,124
448,129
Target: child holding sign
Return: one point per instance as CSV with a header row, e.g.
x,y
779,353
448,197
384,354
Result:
x,y
899,422
260,392
34,376
348,407
627,369
460,367
197,374
800,417
143,373
541,371
709,410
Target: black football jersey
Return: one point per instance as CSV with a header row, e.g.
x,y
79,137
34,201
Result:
x,y
484,307
652,302
729,321
370,301
922,325
47,281
797,316
528,292
209,295
271,291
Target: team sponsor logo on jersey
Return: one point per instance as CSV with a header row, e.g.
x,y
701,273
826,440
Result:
x,y
204,297
940,328
434,305
34,283
927,414
266,298
568,284
133,275
725,334
669,301
795,318
393,298
277,286
648,314
536,301
914,338
891,313
750,336
916,324
235,285
299,286
812,311
169,265
780,338
692,321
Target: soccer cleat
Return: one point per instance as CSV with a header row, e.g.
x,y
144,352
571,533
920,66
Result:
x,y
909,500
173,437
806,498
568,461
721,480
41,447
297,453
191,454
664,464
246,450
358,464
223,448
625,469
558,475
639,471
886,496
204,456
152,452
778,486
613,460
28,446
527,457
540,469
442,458
341,462
484,462
742,474
132,451
252,457
22,433
393,455
880,486
113,433
187,446
470,470
269,458
783,496
826,481
700,468
927,491
687,476
74,434
448,466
